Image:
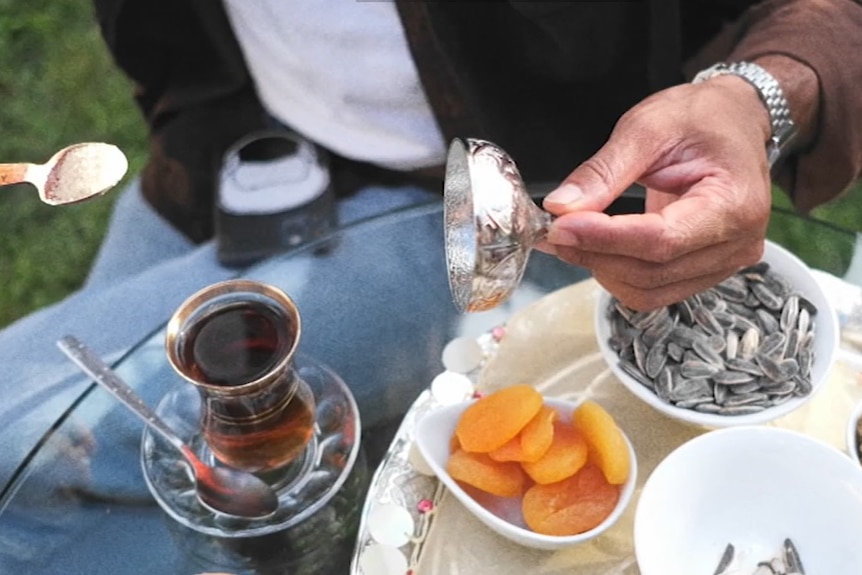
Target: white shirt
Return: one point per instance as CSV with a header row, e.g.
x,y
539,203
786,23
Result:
x,y
340,73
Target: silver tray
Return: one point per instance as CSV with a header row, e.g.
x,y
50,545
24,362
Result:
x,y
411,526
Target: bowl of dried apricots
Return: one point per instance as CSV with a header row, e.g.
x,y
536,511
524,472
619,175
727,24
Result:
x,y
543,472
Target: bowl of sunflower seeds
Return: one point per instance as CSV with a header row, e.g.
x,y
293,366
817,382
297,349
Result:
x,y
751,349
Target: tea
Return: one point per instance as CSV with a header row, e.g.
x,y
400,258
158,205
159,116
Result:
x,y
237,344
269,422
267,442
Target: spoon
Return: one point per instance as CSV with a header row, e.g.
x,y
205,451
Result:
x,y
74,174
221,489
490,224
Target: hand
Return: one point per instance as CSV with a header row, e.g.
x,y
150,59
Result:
x,y
699,150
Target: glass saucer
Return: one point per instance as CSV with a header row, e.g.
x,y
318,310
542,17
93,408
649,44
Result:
x,y
304,487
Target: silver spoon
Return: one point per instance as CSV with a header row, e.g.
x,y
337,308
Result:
x,y
490,224
221,489
74,174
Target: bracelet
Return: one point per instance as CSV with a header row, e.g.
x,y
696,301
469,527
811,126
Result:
x,y
772,96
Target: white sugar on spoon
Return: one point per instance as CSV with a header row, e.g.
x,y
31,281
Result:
x,y
73,174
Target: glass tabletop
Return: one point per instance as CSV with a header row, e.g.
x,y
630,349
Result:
x,y
375,308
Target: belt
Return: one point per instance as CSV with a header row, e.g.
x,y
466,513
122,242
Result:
x,y
348,176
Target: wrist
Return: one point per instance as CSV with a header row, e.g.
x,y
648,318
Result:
x,y
801,88
782,130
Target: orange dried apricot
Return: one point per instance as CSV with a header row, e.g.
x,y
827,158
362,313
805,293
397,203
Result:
x,y
454,444
532,442
509,451
505,479
566,455
537,436
571,506
495,419
605,439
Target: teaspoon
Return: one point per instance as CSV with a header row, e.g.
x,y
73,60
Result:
x,y
74,174
221,489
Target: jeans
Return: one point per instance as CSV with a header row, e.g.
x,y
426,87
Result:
x,y
144,270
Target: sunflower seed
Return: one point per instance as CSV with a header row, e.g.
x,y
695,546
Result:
x,y
636,374
707,353
740,409
708,407
675,351
731,344
777,370
732,377
742,388
746,365
691,389
655,360
772,344
641,351
745,398
658,331
749,343
694,369
767,322
746,344
704,318
789,313
733,289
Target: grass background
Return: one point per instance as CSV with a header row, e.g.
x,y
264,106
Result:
x,y
58,86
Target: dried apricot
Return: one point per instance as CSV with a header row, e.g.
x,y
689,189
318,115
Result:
x,y
505,479
454,444
509,451
571,506
495,419
537,436
566,455
532,442
605,439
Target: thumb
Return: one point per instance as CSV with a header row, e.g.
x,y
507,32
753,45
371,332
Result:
x,y
601,179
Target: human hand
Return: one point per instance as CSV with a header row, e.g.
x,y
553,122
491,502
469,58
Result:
x,y
699,150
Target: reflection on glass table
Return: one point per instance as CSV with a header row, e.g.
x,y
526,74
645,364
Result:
x,y
377,314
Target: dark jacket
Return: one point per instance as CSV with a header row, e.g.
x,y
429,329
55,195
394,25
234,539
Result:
x,y
545,80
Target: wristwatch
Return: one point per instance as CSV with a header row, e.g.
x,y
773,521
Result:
x,y
770,92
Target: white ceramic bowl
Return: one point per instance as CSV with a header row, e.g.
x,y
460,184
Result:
x,y
433,433
826,343
852,445
753,487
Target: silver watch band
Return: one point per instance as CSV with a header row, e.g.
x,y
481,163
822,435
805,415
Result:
x,y
770,92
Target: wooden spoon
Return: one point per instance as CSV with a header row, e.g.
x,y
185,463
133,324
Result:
x,y
74,174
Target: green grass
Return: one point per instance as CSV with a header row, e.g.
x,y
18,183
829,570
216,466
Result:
x,y
58,86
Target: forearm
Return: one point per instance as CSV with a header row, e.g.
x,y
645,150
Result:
x,y
801,89
811,47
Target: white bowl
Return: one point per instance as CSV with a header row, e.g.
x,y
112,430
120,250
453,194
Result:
x,y
753,487
826,343
851,443
433,433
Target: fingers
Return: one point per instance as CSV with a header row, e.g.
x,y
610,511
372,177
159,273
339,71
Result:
x,y
598,181
645,285
645,300
702,218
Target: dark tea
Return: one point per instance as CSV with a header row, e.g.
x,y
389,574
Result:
x,y
258,415
237,344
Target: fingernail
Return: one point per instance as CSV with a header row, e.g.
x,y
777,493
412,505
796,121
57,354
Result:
x,y
564,195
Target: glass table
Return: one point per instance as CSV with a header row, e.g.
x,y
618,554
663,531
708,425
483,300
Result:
x,y
79,502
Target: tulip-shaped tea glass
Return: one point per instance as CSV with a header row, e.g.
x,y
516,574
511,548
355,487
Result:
x,y
235,342
490,223
252,402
